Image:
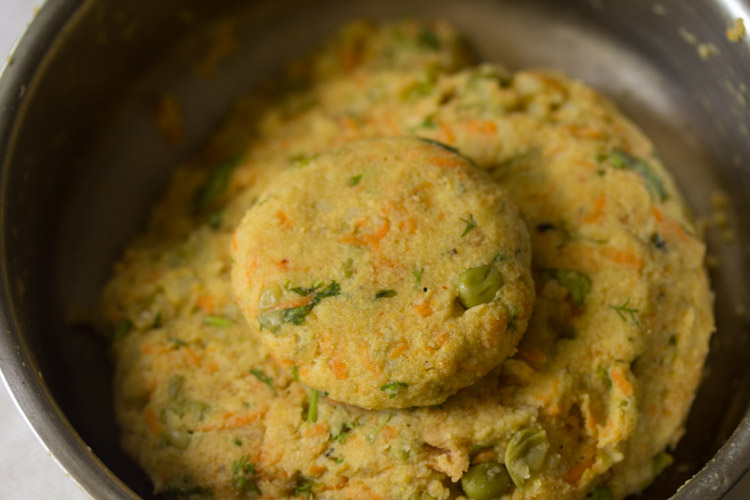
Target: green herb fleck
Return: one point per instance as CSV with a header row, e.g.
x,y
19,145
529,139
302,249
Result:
x,y
604,375
416,90
600,493
243,472
394,389
296,315
215,186
624,310
673,340
312,409
429,39
478,448
214,219
343,434
385,294
658,241
122,329
576,283
260,375
237,442
183,491
470,224
428,121
355,180
662,460
511,321
295,373
417,273
304,489
623,160
302,159
157,321
218,321
346,268
177,342
499,257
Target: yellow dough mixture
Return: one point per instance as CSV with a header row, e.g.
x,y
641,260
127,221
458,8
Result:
x,y
589,402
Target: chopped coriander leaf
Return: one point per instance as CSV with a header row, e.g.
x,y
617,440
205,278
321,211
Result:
x,y
301,160
578,284
624,310
428,121
312,409
393,389
416,90
417,273
604,375
429,39
355,180
184,491
177,342
218,321
343,434
511,321
600,493
440,144
658,241
237,442
499,257
622,160
470,224
215,185
122,329
304,489
243,472
385,294
295,373
296,315
214,219
260,375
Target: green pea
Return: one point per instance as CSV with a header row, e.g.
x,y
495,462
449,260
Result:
x,y
525,454
177,438
486,481
478,285
270,318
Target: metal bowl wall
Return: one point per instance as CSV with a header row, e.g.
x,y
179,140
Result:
x,y
82,162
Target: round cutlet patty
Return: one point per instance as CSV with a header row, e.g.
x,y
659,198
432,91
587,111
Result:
x,y
390,273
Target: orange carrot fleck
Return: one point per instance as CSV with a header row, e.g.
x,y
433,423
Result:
x,y
390,432
400,348
619,379
318,429
408,226
446,134
575,472
424,309
340,371
532,355
597,211
364,355
152,420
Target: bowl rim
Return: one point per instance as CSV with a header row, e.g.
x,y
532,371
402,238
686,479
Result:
x,y
20,372
18,368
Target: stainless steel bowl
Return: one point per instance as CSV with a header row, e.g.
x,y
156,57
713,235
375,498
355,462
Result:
x,y
82,163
